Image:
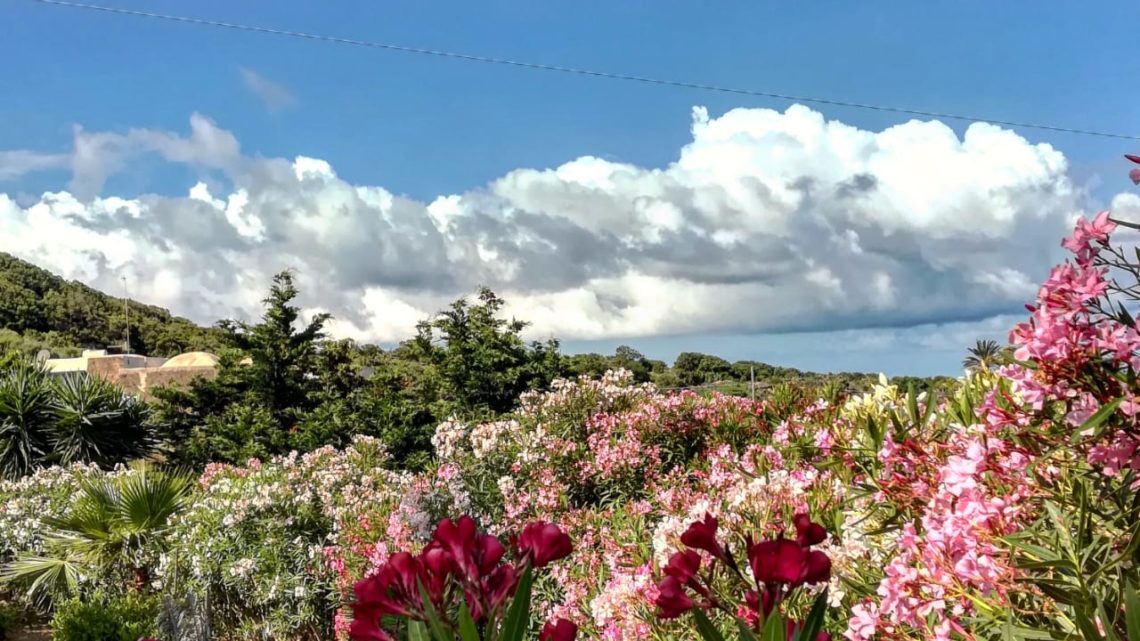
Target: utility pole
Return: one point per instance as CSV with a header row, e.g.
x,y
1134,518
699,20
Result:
x,y
127,314
752,378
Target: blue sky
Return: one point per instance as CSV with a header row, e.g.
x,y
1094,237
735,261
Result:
x,y
422,127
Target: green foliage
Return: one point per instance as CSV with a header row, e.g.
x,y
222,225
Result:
x,y
482,361
283,358
595,365
251,408
124,618
66,419
112,531
9,618
39,310
1082,553
985,354
697,369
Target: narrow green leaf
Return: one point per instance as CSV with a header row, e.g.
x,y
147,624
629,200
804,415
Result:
x,y
1086,627
1126,317
417,631
814,621
875,433
746,633
1058,564
912,404
774,628
517,621
1109,633
467,630
1063,597
1132,612
1096,420
705,626
434,623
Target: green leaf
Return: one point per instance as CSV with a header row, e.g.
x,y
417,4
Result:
x,y
417,631
705,626
467,630
1085,625
746,633
774,628
1132,612
814,621
875,433
912,404
517,621
1051,590
434,623
1109,633
1096,420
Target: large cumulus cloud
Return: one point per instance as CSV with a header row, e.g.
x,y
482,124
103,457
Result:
x,y
766,221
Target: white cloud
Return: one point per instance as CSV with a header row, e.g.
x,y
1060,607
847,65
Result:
x,y
767,221
98,155
18,162
275,95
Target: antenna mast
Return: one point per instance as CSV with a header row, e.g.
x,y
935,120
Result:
x,y
127,314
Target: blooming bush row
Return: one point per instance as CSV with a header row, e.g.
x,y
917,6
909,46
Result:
x,y
1004,509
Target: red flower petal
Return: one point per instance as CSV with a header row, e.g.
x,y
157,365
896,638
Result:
x,y
544,543
560,630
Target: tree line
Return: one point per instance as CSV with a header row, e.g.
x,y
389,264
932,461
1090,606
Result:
x,y
284,385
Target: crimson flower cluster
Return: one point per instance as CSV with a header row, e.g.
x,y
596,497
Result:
x,y
1135,173
458,563
778,567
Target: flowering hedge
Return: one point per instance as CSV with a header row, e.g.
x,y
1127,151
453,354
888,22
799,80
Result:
x,y
1006,508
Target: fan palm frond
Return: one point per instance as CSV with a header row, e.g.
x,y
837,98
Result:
x,y
45,578
983,355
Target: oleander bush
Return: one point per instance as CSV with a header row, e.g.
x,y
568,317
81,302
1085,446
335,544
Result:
x,y
1004,509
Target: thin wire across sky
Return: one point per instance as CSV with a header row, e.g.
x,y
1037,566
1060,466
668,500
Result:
x,y
204,22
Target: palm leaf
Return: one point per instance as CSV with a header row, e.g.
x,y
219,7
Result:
x,y
44,577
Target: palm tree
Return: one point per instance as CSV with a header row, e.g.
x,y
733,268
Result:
x,y
25,416
94,421
47,420
983,355
112,527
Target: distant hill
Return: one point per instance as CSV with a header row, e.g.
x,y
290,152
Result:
x,y
39,310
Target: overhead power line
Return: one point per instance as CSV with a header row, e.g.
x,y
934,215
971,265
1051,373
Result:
x,y
572,70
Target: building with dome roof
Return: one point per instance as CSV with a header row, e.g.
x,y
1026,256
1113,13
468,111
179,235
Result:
x,y
139,374
192,359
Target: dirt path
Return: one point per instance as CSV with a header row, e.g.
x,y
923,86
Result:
x,y
37,633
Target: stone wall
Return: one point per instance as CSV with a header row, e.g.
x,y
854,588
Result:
x,y
173,377
131,374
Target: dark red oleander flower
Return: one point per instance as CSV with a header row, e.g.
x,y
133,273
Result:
x,y
543,543
701,535
785,561
559,630
458,539
459,565
500,585
808,533
672,601
778,566
683,566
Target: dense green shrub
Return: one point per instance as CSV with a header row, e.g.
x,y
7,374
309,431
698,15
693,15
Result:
x,y
9,618
75,418
126,618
